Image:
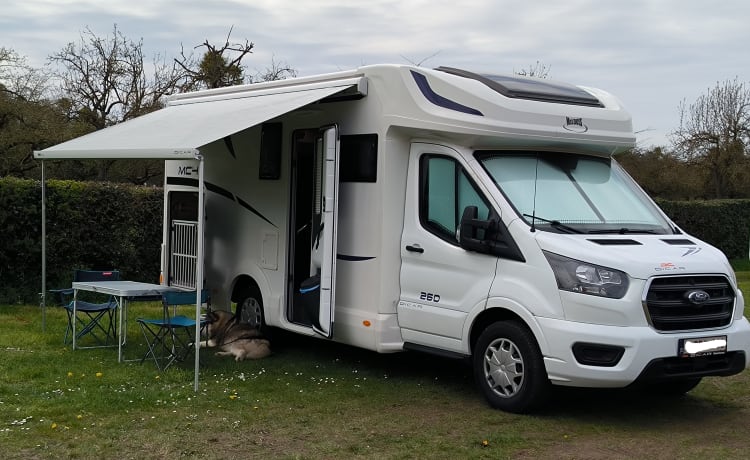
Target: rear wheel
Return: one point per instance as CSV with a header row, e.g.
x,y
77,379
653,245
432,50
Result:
x,y
508,368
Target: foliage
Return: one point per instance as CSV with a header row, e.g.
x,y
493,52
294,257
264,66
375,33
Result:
x,y
98,82
215,69
92,225
27,121
222,66
714,132
664,174
89,225
721,223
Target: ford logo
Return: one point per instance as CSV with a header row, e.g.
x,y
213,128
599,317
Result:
x,y
698,297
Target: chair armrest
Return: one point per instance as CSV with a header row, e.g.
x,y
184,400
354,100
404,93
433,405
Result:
x,y
62,295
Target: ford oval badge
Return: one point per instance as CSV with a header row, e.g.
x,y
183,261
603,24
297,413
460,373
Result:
x,y
698,297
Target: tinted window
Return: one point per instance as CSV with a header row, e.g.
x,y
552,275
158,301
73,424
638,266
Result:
x,y
358,159
445,191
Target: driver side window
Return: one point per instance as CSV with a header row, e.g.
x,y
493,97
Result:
x,y
445,190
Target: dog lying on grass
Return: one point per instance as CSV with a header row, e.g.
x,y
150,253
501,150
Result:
x,y
233,338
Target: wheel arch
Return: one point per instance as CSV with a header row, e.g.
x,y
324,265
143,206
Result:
x,y
242,286
494,314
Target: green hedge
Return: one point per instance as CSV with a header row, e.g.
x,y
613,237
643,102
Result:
x,y
102,226
89,225
722,223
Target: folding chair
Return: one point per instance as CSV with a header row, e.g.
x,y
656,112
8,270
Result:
x,y
171,338
95,320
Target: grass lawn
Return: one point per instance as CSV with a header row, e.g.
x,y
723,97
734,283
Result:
x,y
314,399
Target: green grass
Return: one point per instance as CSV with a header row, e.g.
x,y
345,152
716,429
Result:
x,y
315,399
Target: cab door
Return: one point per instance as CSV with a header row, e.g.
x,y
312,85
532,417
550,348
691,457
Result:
x,y
325,220
440,281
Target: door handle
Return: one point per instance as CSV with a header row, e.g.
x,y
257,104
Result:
x,y
414,248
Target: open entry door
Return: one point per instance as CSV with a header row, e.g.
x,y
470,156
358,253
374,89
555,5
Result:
x,y
323,257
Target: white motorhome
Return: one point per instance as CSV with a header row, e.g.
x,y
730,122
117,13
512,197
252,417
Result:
x,y
395,208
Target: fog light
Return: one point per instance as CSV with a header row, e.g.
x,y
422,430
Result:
x,y
594,354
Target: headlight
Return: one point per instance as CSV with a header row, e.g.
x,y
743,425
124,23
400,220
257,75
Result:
x,y
576,276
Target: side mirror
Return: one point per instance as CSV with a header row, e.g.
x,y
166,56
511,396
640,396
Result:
x,y
469,237
489,236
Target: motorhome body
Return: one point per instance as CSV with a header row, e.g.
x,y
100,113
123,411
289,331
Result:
x,y
394,207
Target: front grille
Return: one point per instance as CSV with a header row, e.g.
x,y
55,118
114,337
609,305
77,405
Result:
x,y
670,309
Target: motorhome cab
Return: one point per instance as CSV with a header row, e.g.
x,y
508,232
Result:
x,y
397,208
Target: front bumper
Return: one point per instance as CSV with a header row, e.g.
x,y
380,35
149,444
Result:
x,y
648,355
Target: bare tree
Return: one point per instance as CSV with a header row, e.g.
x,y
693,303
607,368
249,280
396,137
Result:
x,y
537,70
715,133
19,79
105,81
215,69
276,71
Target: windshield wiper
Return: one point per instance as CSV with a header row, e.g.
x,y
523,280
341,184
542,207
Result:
x,y
555,224
623,231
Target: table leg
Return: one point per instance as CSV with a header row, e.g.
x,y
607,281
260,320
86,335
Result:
x,y
120,307
73,319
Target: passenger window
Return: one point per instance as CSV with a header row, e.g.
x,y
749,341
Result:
x,y
445,191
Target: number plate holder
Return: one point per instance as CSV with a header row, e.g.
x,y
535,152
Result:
x,y
702,346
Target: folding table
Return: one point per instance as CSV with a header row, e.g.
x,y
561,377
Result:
x,y
122,291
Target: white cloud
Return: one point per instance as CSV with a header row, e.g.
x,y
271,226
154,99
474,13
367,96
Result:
x,y
651,54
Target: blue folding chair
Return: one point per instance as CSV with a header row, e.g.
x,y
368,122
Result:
x,y
95,316
170,338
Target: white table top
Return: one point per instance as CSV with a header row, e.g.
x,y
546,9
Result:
x,y
124,288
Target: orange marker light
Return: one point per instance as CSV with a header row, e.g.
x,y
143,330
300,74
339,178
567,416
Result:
x,y
366,323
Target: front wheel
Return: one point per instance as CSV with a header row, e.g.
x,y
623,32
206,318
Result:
x,y
508,368
250,310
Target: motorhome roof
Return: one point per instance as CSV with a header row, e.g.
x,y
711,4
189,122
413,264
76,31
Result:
x,y
482,111
535,89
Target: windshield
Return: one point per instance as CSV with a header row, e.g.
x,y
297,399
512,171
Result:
x,y
569,193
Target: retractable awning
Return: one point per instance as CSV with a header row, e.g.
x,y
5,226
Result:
x,y
178,130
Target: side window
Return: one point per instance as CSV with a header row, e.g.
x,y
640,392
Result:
x,y
359,158
445,190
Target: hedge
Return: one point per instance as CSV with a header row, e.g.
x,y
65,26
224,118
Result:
x,y
89,225
102,226
721,223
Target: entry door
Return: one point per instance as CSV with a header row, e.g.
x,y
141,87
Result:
x,y
441,283
323,257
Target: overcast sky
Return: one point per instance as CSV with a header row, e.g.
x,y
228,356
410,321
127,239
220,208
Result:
x,y
652,54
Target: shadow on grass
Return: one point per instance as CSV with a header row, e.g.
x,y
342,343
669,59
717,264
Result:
x,y
625,407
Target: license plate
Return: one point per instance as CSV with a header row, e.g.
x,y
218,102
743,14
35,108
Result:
x,y
703,346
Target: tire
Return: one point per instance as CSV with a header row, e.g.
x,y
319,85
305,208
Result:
x,y
508,368
250,309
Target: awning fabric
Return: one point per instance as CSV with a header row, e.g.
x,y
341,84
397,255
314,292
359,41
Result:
x,y
179,130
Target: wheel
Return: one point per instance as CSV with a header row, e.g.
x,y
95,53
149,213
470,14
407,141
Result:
x,y
674,388
508,368
250,309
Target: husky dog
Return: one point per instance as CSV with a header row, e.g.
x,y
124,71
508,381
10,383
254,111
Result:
x,y
224,330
